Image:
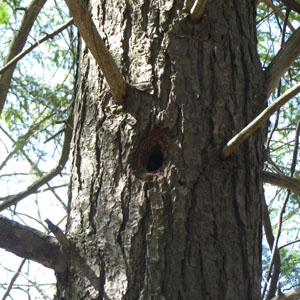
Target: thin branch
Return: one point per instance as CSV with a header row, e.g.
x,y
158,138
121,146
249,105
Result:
x,y
270,239
282,61
90,35
14,199
17,45
13,279
258,121
291,295
282,181
19,146
36,44
282,210
32,244
290,243
292,4
22,140
197,10
279,13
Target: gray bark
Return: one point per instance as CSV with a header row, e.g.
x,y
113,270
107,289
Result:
x,y
153,209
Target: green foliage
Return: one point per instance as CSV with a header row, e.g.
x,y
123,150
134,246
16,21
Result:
x,y
3,13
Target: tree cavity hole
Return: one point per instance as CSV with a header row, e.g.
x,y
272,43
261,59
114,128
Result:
x,y
155,159
152,153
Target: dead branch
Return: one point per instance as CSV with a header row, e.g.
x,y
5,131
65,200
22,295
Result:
x,y
258,121
32,244
17,45
90,35
282,61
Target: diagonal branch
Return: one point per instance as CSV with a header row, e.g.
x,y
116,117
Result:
x,y
17,45
282,181
282,61
14,199
261,119
14,278
14,60
270,239
90,35
32,244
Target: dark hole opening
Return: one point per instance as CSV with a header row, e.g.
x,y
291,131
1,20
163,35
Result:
x,y
155,159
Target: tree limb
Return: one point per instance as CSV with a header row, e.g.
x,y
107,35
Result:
x,y
90,35
31,244
14,199
282,181
258,121
29,49
17,45
282,61
292,4
291,295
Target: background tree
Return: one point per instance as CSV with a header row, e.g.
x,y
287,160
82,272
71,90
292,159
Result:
x,y
159,205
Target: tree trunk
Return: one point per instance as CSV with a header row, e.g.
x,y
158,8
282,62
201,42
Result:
x,y
154,211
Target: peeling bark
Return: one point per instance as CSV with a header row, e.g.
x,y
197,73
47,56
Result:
x,y
153,209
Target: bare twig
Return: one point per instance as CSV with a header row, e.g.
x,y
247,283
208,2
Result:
x,y
90,35
282,61
22,140
197,10
267,223
17,45
36,44
279,13
31,244
14,199
13,279
280,218
290,243
258,121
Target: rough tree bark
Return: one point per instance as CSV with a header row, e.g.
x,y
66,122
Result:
x,y
154,210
